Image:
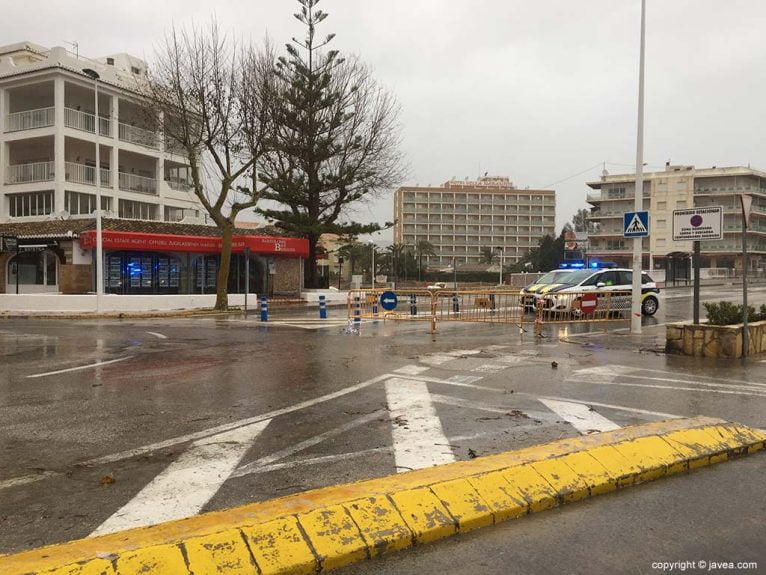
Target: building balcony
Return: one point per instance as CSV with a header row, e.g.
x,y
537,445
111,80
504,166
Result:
x,y
29,173
139,184
82,174
179,184
30,119
87,122
139,136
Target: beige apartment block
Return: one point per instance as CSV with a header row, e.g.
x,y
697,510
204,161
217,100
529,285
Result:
x,y
679,187
460,218
48,140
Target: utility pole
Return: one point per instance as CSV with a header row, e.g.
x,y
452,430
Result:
x,y
638,205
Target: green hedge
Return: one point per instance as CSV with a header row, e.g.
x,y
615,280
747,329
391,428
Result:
x,y
727,313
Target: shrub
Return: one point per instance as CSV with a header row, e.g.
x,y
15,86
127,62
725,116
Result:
x,y
727,313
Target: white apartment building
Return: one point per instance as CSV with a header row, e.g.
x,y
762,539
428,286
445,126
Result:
x,y
461,218
679,187
48,140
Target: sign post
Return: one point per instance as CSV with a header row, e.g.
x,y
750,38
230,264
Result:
x,y
636,225
697,224
747,201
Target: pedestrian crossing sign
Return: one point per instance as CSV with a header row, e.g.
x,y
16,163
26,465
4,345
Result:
x,y
635,224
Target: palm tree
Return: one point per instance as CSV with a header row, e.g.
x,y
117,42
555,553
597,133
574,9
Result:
x,y
423,248
488,255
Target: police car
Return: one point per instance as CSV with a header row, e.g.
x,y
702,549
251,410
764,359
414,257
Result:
x,y
619,282
543,285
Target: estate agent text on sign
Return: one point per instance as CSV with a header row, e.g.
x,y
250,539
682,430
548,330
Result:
x,y
698,224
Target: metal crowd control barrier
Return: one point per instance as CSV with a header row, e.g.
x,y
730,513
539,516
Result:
x,y
504,305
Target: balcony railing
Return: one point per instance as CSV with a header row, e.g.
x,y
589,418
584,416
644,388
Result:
x,y
27,173
134,183
82,174
179,184
30,119
86,122
140,136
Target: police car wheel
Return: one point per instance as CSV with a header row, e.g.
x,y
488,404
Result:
x,y
649,306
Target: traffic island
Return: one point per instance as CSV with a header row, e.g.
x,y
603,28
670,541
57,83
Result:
x,y
327,528
714,341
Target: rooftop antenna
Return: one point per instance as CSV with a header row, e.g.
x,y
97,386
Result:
x,y
75,46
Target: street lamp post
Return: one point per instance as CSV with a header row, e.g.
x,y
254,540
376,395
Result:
x,y
372,245
99,244
501,264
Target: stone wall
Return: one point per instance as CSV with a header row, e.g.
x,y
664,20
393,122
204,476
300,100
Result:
x,y
717,341
287,280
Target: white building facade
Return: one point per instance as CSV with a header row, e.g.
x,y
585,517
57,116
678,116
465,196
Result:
x,y
48,141
463,218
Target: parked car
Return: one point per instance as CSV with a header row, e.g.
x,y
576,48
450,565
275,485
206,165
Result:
x,y
617,283
437,285
543,285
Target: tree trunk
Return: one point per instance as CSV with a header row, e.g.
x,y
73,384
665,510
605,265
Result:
x,y
310,265
222,288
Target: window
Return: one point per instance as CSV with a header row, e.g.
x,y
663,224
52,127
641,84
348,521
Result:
x,y
33,268
131,210
615,244
680,204
33,204
136,70
174,214
662,205
110,61
615,193
84,204
625,278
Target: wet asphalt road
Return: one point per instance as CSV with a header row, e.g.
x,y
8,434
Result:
x,y
310,407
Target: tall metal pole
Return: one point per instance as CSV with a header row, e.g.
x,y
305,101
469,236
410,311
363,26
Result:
x,y
745,343
501,264
696,298
247,275
372,245
99,242
635,316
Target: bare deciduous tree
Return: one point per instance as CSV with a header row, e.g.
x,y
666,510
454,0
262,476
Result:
x,y
211,95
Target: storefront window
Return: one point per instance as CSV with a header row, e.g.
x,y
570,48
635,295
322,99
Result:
x,y
33,268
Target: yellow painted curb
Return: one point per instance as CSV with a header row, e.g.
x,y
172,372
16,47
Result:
x,y
334,526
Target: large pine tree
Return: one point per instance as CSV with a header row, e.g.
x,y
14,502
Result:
x,y
334,144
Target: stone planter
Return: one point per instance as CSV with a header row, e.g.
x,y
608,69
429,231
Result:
x,y
718,341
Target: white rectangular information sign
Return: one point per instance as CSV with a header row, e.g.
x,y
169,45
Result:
x,y
698,224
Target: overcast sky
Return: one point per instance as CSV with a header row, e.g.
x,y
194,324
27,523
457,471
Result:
x,y
537,91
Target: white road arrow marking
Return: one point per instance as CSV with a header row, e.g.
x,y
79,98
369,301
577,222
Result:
x,y
582,418
416,427
188,483
89,366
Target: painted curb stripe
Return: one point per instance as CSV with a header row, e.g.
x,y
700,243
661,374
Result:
x,y
331,527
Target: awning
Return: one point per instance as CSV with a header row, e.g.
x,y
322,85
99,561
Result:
x,y
134,241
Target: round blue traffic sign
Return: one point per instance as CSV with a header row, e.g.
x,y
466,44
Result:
x,y
388,300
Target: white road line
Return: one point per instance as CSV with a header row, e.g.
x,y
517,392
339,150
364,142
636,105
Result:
x,y
724,391
158,335
16,481
466,403
496,347
233,425
435,359
187,484
620,370
580,416
464,379
615,407
459,352
416,428
411,369
604,372
253,466
89,366
489,368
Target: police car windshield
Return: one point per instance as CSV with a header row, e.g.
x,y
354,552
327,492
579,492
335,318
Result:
x,y
575,278
553,277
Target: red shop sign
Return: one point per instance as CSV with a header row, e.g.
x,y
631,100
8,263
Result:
x,y
134,241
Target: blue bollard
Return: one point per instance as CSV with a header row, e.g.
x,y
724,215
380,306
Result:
x,y
413,304
322,307
455,304
492,304
264,308
357,311
375,304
